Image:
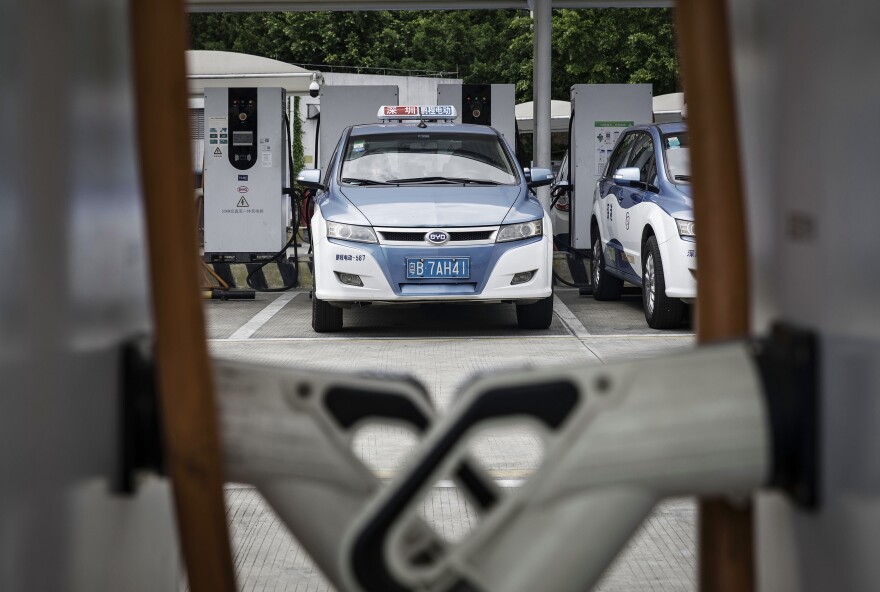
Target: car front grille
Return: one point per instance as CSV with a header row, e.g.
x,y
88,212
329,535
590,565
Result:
x,y
473,235
414,237
479,234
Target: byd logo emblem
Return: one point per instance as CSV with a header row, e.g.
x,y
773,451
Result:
x,y
438,237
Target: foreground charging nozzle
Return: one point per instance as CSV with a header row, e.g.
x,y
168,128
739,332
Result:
x,y
618,438
290,434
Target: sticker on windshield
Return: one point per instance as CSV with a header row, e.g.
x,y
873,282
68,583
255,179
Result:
x,y
674,142
359,147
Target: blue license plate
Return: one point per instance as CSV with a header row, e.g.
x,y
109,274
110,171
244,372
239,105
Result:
x,y
438,268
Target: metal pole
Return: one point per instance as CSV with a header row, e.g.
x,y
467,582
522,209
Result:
x,y
542,14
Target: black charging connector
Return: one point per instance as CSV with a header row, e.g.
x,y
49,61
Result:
x,y
140,433
788,361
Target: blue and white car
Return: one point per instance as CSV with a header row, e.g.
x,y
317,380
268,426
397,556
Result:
x,y
642,226
417,209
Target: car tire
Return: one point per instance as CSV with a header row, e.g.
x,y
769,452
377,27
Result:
x,y
537,315
326,318
605,285
661,311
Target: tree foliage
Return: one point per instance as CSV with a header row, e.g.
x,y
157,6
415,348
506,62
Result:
x,y
483,46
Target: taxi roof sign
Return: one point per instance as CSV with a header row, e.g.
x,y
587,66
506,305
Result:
x,y
420,112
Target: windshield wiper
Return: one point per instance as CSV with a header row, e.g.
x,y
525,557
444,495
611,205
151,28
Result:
x,y
473,181
447,180
364,181
682,177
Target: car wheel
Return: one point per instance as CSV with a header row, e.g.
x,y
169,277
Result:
x,y
537,315
605,285
326,318
661,311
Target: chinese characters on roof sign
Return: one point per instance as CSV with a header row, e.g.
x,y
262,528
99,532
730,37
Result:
x,y
398,110
416,112
438,111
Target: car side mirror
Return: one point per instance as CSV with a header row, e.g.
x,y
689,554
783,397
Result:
x,y
310,178
537,177
627,176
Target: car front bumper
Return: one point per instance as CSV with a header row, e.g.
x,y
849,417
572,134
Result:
x,y
382,270
679,267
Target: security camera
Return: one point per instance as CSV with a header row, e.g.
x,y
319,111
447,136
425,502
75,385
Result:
x,y
314,88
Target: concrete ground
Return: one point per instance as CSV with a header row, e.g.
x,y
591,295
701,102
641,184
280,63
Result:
x,y
443,346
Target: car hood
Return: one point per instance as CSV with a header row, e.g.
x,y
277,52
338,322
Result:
x,y
684,189
677,201
445,205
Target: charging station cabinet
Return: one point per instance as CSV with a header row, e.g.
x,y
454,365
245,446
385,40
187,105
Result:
x,y
342,106
600,112
244,174
483,104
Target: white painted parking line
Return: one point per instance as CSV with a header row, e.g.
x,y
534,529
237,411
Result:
x,y
262,317
568,319
658,335
352,339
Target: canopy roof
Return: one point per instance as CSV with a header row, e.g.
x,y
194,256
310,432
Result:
x,y
671,103
225,68
560,112
311,5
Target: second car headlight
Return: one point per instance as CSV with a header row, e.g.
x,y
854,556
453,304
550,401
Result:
x,y
685,228
350,232
512,232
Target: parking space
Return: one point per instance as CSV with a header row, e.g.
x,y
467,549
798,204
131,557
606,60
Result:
x,y
624,317
443,346
424,321
225,317
598,319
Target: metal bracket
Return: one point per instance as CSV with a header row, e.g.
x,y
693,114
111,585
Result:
x,y
788,361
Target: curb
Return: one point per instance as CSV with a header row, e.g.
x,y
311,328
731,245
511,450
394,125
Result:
x,y
274,275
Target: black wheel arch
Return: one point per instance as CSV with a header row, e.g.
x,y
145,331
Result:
x,y
647,232
594,227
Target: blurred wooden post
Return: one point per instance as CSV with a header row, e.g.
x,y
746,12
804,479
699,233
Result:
x,y
726,555
189,412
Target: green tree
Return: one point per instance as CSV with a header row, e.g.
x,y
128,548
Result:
x,y
614,45
611,45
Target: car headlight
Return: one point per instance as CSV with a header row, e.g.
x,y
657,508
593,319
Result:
x,y
685,228
512,232
350,232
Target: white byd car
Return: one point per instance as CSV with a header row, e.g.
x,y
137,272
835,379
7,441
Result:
x,y
642,225
420,210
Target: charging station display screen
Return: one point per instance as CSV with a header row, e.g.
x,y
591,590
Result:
x,y
242,138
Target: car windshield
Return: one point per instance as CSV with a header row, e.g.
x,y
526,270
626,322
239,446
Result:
x,y
677,154
426,158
